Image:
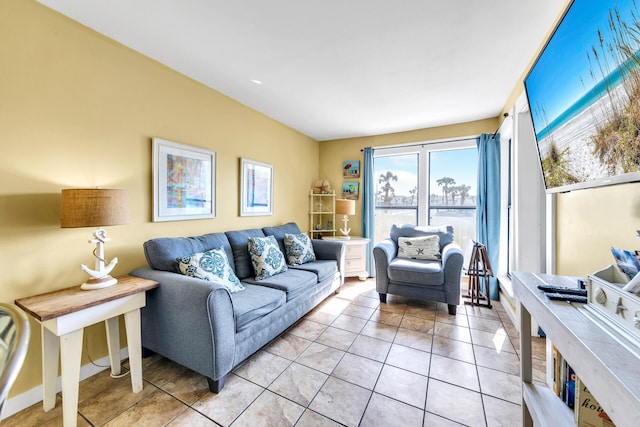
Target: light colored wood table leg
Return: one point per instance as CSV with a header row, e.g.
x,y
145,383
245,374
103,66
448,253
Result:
x,y
113,344
134,343
71,352
526,367
50,355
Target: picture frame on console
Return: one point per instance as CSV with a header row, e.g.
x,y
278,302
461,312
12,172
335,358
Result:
x,y
256,188
184,182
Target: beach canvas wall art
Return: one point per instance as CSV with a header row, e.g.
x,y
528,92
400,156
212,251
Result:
x,y
256,188
584,96
351,169
183,181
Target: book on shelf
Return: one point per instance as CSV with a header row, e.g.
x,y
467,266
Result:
x,y
570,387
562,379
555,358
587,410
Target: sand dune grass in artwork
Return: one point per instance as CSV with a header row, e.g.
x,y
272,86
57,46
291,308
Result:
x,y
604,139
555,167
617,140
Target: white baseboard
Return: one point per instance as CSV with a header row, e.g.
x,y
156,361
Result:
x,y
508,300
33,396
512,306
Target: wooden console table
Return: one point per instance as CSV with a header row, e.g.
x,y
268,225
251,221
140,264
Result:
x,y
604,360
64,314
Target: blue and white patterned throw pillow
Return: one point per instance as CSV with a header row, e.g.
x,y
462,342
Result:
x,y
266,257
298,248
212,266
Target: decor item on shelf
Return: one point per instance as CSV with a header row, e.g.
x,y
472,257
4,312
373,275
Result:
x,y
351,169
321,187
184,182
95,207
350,190
345,207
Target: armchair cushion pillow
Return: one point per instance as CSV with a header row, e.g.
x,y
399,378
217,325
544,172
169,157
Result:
x,y
266,257
298,248
212,266
445,232
427,247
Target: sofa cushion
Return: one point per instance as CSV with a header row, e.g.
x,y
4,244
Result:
x,y
321,268
255,302
425,247
212,266
293,281
239,241
298,249
279,232
445,233
161,253
266,257
416,272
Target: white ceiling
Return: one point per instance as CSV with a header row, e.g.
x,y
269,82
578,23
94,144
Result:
x,y
338,68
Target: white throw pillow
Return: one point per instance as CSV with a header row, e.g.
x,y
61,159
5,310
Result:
x,y
266,257
426,247
212,266
299,249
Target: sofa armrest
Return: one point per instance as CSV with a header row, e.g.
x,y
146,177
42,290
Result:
x,y
383,253
452,260
189,321
448,251
330,250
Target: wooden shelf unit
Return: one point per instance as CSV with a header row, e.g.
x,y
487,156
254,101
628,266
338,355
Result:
x,y
604,360
322,209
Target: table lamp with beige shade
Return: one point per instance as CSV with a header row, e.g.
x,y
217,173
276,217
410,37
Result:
x,y
95,207
345,207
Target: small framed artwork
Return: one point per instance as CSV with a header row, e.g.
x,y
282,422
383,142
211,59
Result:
x,y
351,169
256,188
184,182
350,190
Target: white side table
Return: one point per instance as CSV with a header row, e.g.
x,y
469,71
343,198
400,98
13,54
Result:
x,y
355,257
64,314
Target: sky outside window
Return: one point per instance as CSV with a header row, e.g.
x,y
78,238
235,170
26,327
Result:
x,y
460,165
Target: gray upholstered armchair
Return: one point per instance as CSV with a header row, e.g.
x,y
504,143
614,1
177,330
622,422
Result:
x,y
424,268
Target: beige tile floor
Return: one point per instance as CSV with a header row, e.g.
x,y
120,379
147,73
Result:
x,y
352,361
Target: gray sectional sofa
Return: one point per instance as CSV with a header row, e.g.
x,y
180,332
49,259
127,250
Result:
x,y
201,325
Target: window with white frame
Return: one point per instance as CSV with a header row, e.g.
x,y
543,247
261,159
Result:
x,y
427,184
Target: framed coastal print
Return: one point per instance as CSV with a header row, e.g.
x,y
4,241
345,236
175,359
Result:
x,y
350,190
351,169
256,188
184,182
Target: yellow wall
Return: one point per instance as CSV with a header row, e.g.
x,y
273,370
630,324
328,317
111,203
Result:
x,y
590,222
79,110
334,153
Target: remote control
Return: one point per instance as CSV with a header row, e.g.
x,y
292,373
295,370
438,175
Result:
x,y
566,297
561,290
